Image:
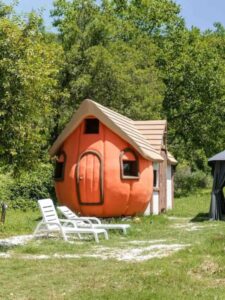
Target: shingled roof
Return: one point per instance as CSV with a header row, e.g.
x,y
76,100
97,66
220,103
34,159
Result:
x,y
119,124
154,131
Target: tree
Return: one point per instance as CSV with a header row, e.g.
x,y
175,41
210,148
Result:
x,y
192,64
108,59
194,99
29,68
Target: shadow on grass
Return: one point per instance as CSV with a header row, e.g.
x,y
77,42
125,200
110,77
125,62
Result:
x,y
201,217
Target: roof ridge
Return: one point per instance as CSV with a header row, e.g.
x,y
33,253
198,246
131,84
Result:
x,y
121,125
163,121
134,129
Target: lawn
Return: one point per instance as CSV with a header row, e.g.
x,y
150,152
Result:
x,y
124,266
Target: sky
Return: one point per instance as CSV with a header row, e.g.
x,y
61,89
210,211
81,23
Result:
x,y
199,13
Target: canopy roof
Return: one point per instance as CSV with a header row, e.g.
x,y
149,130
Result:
x,y
218,157
119,124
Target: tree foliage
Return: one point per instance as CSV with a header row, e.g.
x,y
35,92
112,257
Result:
x,y
29,67
137,57
108,59
129,55
194,97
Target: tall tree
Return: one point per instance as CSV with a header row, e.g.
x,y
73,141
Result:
x,y
29,67
120,53
193,70
108,59
194,100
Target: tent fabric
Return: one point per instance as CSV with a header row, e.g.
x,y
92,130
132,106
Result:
x,y
218,157
217,206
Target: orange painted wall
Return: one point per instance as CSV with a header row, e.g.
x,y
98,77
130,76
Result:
x,y
122,197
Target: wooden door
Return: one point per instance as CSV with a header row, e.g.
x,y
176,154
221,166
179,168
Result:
x,y
89,178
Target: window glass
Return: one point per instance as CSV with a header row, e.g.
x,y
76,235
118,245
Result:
x,y
129,164
130,168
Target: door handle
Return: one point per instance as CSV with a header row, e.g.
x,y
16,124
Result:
x,y
81,177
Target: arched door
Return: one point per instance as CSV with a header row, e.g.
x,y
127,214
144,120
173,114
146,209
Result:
x,y
89,178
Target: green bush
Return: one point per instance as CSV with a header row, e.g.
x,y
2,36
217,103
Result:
x,y
35,184
6,183
23,204
188,181
23,191
31,186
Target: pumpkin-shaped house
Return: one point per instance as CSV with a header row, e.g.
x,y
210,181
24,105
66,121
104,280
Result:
x,y
104,164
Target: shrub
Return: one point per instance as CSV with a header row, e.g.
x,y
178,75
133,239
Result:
x,y
31,186
23,204
22,192
6,183
187,181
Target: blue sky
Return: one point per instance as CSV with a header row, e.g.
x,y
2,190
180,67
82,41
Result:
x,y
200,13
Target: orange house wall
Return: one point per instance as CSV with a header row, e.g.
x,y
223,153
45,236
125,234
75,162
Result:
x,y
122,197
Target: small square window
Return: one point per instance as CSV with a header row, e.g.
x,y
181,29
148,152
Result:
x,y
130,168
91,126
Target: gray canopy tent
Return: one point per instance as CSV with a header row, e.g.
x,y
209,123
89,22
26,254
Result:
x,y
217,206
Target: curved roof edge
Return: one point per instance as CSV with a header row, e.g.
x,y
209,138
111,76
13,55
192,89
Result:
x,y
118,123
171,158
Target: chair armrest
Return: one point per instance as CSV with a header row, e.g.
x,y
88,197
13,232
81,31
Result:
x,y
91,219
65,222
83,220
50,223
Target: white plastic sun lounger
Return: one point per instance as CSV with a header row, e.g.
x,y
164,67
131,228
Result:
x,y
96,223
51,223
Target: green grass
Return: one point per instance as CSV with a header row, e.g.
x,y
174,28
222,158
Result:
x,y
192,205
196,272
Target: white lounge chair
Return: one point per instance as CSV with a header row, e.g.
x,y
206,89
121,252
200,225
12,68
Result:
x,y
51,223
96,223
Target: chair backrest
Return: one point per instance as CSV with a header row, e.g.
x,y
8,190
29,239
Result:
x,y
69,214
48,212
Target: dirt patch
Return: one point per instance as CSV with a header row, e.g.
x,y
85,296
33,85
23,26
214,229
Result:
x,y
15,240
130,251
217,282
187,226
206,269
5,255
209,267
140,253
138,242
179,219
129,254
